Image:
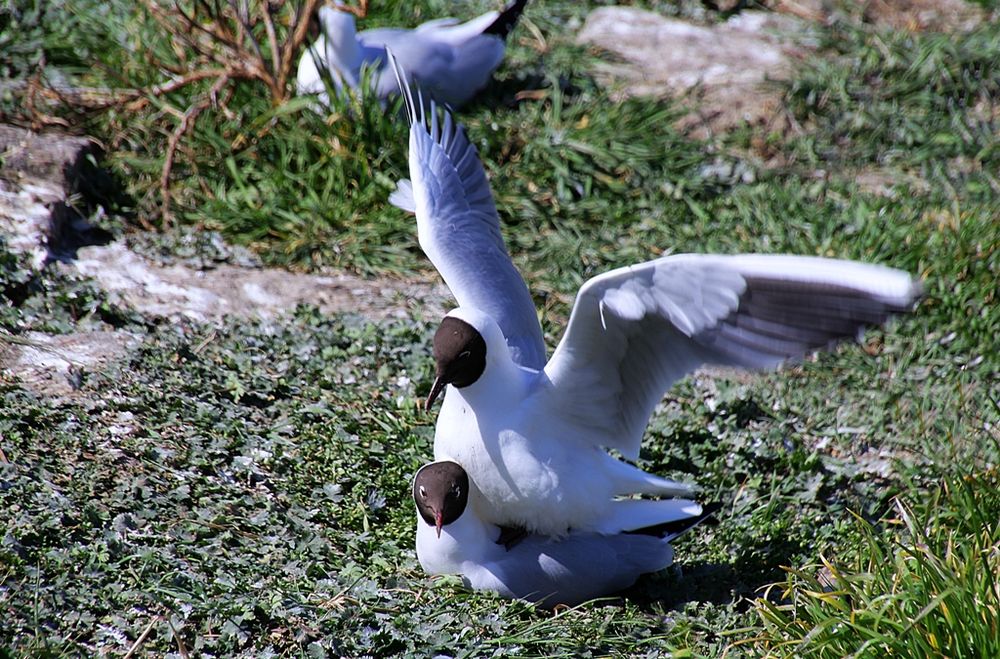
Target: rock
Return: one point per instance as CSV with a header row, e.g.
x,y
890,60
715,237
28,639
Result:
x,y
42,177
38,174
724,67
57,365
178,291
55,161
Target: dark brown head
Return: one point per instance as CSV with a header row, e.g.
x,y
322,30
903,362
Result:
x,y
460,355
441,492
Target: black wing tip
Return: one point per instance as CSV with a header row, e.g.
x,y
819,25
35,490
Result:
x,y
505,22
708,511
673,529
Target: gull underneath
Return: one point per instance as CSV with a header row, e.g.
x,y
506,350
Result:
x,y
451,539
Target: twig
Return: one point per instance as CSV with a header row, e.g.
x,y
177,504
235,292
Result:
x,y
181,650
99,98
360,11
192,33
214,31
142,637
87,97
173,85
272,37
217,527
241,12
208,339
293,43
186,124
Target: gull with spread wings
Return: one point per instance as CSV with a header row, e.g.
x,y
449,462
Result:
x,y
534,434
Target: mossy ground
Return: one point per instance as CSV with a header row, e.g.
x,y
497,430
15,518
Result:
x,y
243,489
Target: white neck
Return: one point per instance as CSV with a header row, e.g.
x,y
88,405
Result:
x,y
466,539
502,384
343,52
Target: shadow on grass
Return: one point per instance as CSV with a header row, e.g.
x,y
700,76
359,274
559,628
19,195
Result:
x,y
512,91
714,583
703,582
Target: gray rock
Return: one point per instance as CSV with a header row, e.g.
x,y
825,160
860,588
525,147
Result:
x,y
724,66
42,178
41,175
57,365
180,292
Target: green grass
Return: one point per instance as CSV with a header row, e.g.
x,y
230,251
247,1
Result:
x,y
243,490
913,101
930,591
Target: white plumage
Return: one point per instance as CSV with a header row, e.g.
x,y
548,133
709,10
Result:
x,y
451,61
537,568
533,435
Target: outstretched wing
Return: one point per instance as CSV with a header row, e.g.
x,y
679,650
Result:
x,y
458,226
637,330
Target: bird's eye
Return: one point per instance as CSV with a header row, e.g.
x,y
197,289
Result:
x,y
423,492
463,355
456,492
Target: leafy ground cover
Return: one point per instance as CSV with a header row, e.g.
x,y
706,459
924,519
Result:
x,y
243,489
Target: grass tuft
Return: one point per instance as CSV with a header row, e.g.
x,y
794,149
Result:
x,y
923,583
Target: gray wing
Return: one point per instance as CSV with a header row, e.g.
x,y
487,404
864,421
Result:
x,y
449,70
572,570
459,230
635,331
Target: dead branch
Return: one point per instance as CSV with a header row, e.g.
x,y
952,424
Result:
x,y
292,44
360,11
225,41
272,37
186,124
172,85
246,33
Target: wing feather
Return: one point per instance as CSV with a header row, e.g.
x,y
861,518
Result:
x,y
459,229
635,331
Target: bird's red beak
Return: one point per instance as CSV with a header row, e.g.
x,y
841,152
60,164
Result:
x,y
438,522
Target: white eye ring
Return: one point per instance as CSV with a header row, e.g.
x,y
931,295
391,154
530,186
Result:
x,y
423,492
464,354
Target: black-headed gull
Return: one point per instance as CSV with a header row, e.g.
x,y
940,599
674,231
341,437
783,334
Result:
x,y
452,61
451,539
534,437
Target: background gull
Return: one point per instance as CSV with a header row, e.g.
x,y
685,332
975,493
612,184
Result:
x,y
451,60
